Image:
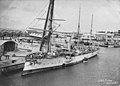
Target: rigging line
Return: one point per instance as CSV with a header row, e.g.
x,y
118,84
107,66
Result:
x,y
55,23
43,13
42,10
56,27
38,14
38,19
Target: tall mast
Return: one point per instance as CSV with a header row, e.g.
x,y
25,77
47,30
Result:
x,y
50,25
48,17
91,28
79,22
45,26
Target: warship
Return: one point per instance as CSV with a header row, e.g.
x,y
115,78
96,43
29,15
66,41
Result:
x,y
47,59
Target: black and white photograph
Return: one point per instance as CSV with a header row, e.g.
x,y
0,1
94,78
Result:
x,y
59,42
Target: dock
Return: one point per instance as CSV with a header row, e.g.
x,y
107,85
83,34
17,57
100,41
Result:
x,y
11,65
12,61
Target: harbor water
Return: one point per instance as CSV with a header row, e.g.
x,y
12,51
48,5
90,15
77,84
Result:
x,y
103,70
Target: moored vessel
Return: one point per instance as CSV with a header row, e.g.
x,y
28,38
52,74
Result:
x,y
39,62
110,45
47,59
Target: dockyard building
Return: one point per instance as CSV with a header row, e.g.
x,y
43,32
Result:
x,y
7,46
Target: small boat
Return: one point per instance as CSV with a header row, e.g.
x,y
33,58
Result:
x,y
113,45
117,46
103,45
85,60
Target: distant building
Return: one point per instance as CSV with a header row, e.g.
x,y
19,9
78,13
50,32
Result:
x,y
117,37
100,35
87,37
108,36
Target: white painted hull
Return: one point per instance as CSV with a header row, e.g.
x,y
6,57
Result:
x,y
46,64
80,58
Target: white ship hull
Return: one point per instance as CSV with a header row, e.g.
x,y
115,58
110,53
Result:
x,y
45,64
80,58
53,63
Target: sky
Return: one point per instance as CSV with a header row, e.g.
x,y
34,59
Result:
x,y
18,14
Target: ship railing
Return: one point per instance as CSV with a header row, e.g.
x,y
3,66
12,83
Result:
x,y
33,56
35,61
